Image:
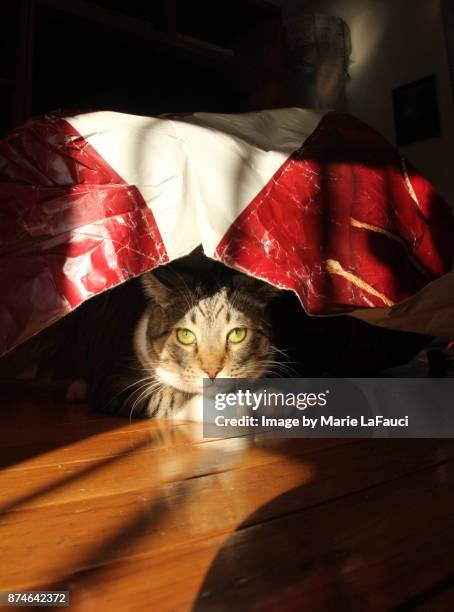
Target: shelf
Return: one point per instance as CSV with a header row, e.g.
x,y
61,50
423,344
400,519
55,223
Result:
x,y
141,30
176,55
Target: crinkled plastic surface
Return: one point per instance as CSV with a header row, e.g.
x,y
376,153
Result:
x,y
344,222
310,201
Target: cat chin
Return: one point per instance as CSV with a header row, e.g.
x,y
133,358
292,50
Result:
x,y
175,381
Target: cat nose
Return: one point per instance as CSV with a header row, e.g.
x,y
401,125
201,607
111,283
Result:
x,y
212,373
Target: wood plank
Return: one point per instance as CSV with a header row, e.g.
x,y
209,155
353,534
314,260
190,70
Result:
x,y
45,404
33,441
98,530
40,432
45,484
369,551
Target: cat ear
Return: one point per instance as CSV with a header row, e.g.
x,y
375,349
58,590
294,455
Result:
x,y
261,292
155,289
266,292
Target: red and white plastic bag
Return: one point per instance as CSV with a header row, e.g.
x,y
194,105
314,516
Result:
x,y
316,202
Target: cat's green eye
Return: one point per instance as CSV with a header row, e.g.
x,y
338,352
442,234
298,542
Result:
x,y
185,336
237,335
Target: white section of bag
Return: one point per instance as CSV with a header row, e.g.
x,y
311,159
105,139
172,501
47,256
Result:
x,y
197,173
430,311
146,152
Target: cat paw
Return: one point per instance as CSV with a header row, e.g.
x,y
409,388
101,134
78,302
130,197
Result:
x,y
192,410
77,391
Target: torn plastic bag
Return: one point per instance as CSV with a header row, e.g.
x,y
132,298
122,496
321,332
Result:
x,y
316,202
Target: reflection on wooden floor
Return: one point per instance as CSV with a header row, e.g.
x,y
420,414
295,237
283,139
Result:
x,y
143,516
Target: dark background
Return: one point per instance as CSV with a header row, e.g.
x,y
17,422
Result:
x,y
140,56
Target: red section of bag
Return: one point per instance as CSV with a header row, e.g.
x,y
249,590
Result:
x,y
69,226
345,222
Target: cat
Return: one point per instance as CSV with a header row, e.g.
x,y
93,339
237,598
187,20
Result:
x,y
217,327
144,348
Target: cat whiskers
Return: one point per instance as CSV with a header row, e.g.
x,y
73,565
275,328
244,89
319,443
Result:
x,y
275,367
148,391
124,389
284,365
143,382
279,369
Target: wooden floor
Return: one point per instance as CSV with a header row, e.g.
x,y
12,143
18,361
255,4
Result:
x,y
143,516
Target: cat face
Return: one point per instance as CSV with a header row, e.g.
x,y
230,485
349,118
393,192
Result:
x,y
189,334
